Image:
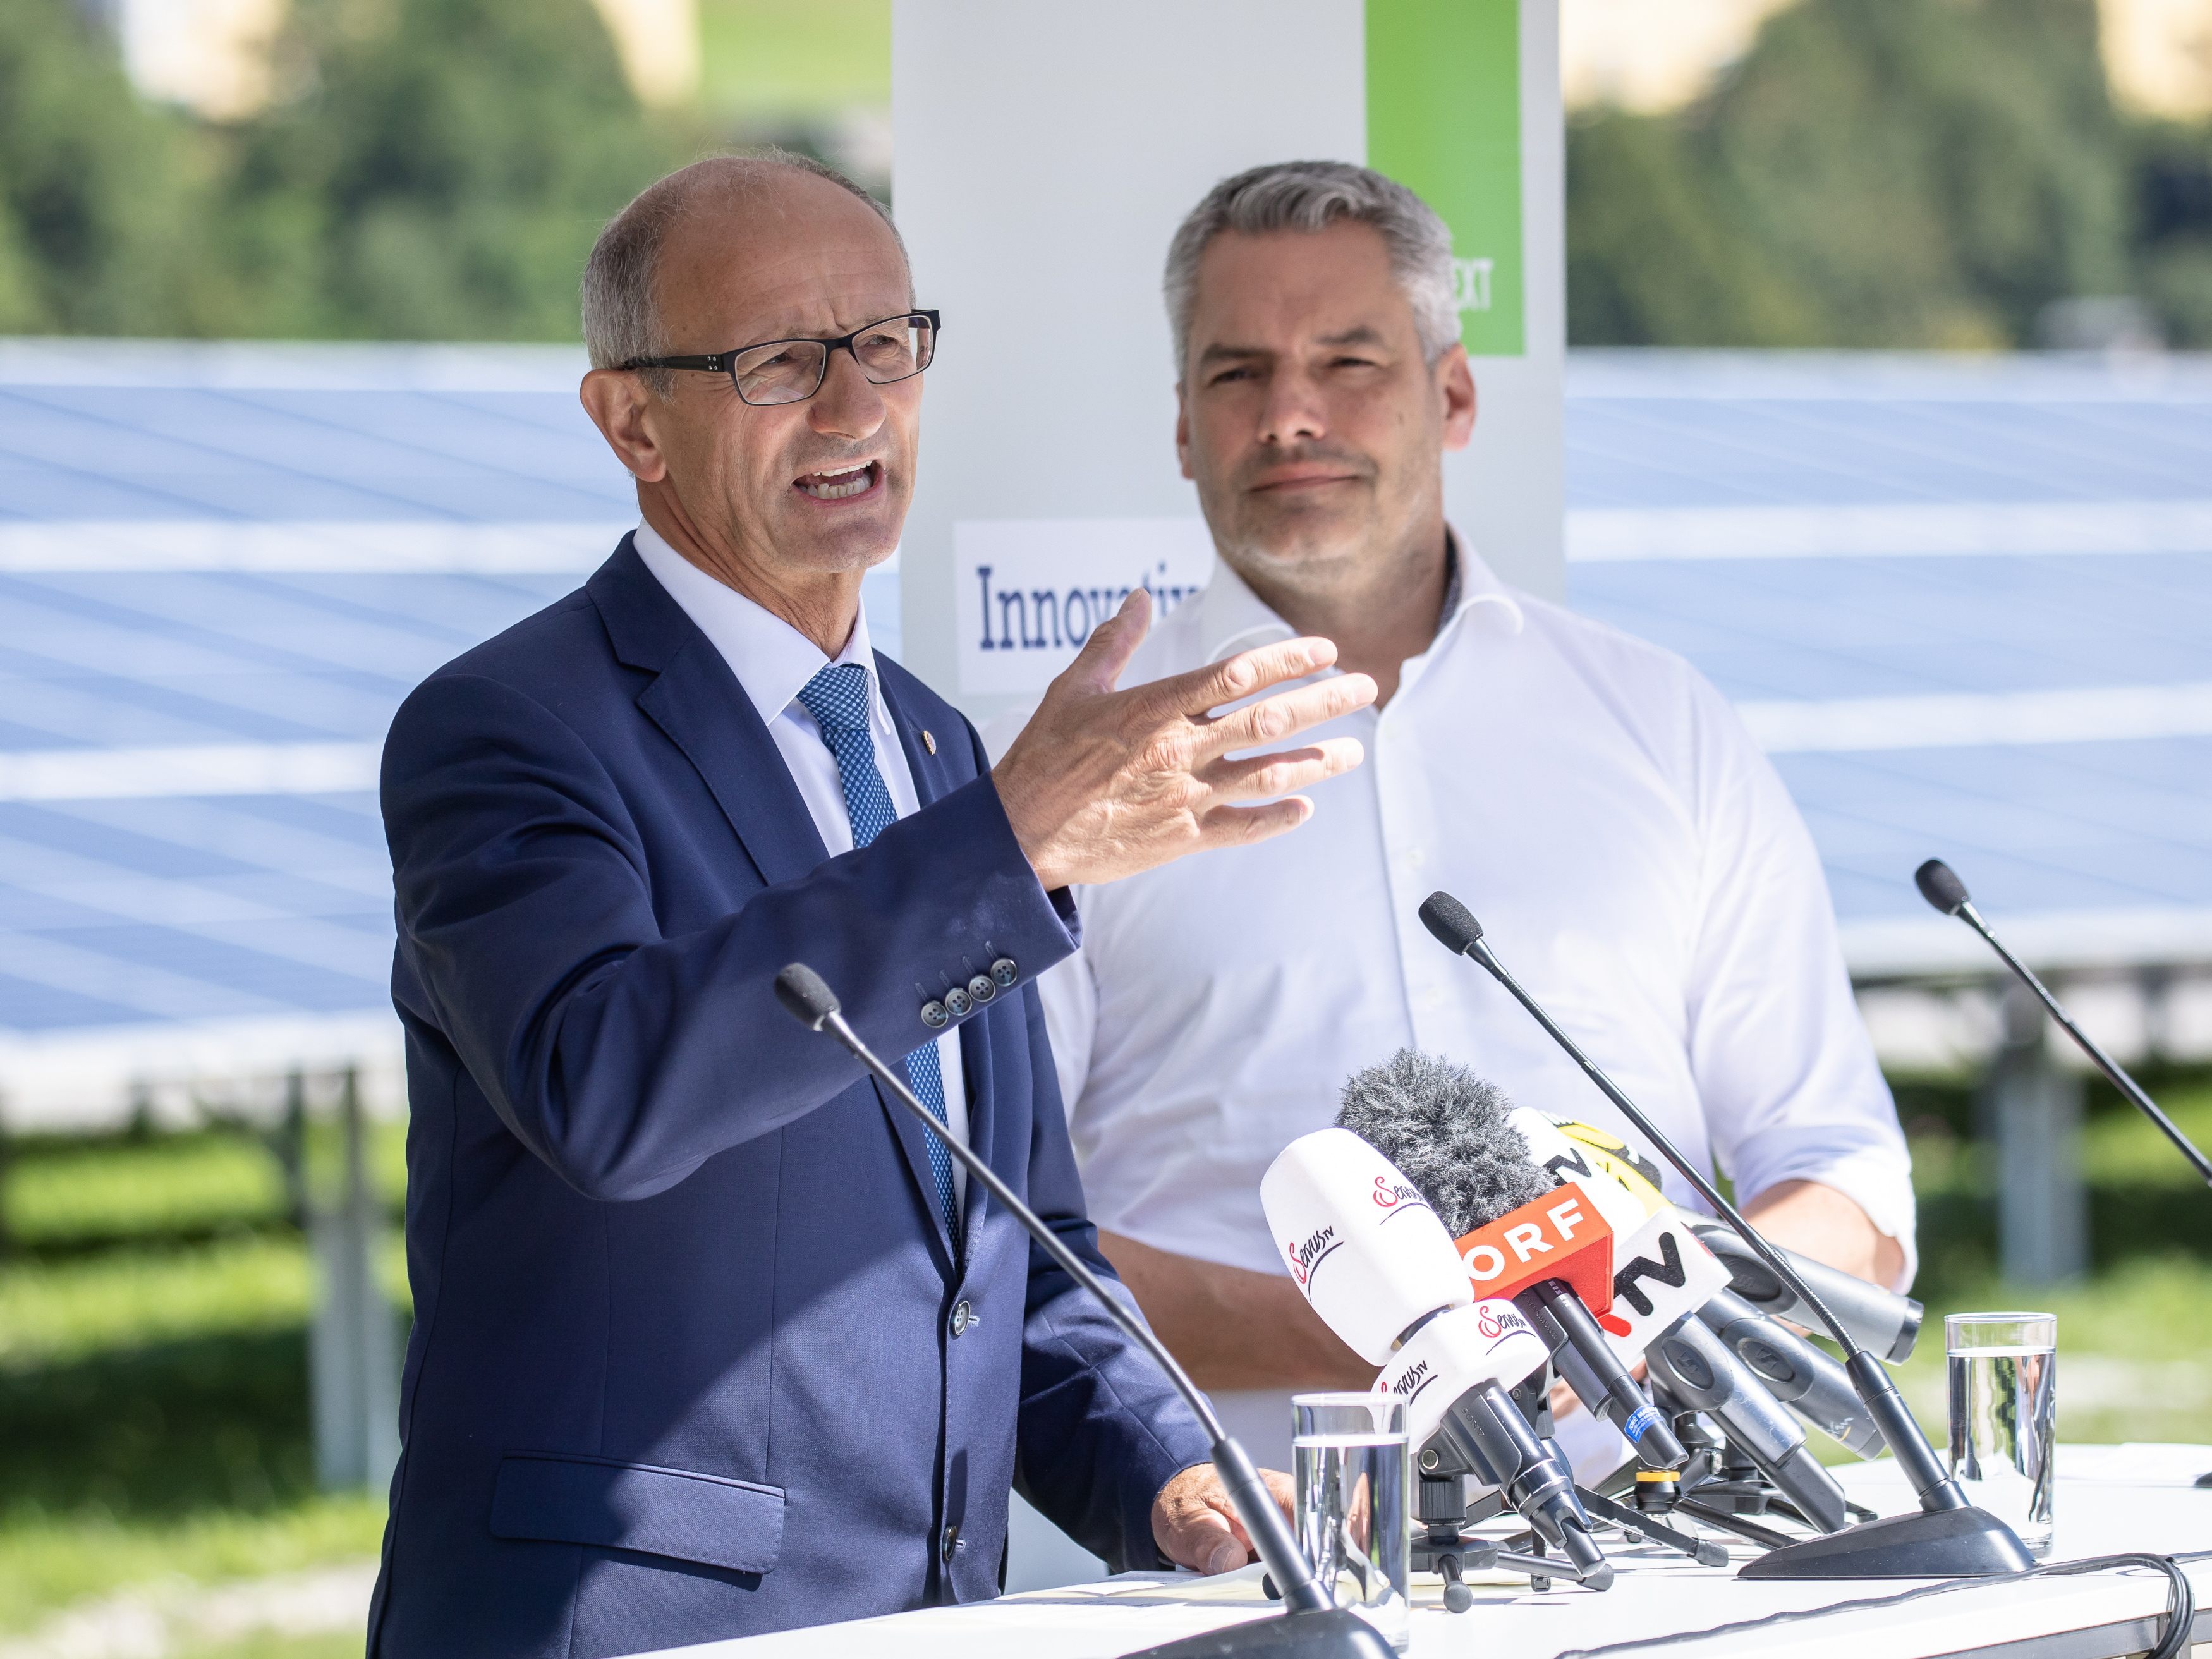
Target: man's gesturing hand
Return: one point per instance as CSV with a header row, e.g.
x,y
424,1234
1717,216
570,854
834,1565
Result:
x,y
1102,783
1195,1525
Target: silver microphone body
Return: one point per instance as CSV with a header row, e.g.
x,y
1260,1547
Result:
x,y
1702,1372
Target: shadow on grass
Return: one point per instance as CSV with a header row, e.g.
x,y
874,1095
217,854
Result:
x,y
2127,1222
161,1432
87,1245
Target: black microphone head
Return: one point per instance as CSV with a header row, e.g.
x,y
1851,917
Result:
x,y
1939,885
1446,1129
805,995
1452,922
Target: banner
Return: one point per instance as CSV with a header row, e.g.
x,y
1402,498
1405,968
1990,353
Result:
x,y
1042,163
1034,588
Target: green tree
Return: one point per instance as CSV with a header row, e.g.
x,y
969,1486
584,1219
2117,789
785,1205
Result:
x,y
100,199
1900,172
2174,205
1650,261
441,171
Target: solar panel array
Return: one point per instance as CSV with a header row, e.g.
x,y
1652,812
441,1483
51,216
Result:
x,y
1967,605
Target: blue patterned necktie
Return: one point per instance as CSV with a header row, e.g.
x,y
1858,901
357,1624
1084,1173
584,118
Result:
x,y
837,697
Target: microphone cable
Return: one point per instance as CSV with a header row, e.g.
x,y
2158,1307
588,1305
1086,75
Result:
x,y
2173,1643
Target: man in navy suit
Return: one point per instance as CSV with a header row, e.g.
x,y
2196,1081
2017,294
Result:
x,y
709,1338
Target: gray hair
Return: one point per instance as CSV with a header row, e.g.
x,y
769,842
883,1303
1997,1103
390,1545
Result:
x,y
1313,195
621,303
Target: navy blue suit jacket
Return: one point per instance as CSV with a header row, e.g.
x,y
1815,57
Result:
x,y
684,1363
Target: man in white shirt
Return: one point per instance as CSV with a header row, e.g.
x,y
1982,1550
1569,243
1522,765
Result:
x,y
1631,852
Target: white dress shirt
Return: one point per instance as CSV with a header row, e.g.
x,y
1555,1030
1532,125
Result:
x,y
1633,858
773,661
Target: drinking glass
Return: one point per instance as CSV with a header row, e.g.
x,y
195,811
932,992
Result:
x,y
2003,1373
1354,1517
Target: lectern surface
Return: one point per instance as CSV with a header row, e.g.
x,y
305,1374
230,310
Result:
x,y
2111,1499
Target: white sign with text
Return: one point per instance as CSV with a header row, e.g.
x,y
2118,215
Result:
x,y
1028,592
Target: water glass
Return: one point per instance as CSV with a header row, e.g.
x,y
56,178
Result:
x,y
2003,1373
1354,1513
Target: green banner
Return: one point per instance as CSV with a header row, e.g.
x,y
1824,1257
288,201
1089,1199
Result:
x,y
1444,118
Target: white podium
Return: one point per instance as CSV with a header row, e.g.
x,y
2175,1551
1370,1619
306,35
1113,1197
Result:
x,y
2111,1499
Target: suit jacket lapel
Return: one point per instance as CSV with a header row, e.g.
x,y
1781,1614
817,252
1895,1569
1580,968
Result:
x,y
697,701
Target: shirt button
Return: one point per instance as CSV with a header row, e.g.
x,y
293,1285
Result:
x,y
962,1317
949,1542
981,990
933,1015
1006,973
957,1003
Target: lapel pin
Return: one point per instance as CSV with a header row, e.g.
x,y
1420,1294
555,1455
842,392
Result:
x,y
929,740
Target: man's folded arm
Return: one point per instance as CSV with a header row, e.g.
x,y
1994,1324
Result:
x,y
620,1056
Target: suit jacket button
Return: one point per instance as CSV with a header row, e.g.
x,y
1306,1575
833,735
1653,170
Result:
x,y
957,1002
981,990
1004,971
962,1317
949,1543
933,1015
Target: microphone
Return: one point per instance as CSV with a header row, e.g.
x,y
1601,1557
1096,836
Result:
x,y
1950,1538
1371,1257
1658,1280
1883,1320
1450,1132
1794,1372
1669,1272
1313,1628
1939,885
1700,1371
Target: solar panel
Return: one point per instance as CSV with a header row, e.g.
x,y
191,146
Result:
x,y
1966,604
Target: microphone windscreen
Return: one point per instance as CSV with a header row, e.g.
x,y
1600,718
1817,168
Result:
x,y
805,995
1452,922
1448,1130
1939,885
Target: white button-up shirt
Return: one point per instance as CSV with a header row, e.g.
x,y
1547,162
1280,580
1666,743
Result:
x,y
772,662
1633,858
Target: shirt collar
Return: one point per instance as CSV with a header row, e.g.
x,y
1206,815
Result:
x,y
772,660
1231,618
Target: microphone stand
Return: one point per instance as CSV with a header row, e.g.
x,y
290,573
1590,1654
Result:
x,y
1939,885
1312,1628
1949,1538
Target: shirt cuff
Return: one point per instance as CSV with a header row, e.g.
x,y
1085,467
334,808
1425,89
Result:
x,y
1880,1182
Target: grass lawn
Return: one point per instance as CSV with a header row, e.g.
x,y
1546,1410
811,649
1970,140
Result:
x,y
154,1425
154,1297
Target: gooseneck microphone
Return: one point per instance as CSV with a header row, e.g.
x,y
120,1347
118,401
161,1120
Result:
x,y
1941,886
1313,1628
1950,1538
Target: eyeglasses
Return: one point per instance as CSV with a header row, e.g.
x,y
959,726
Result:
x,y
791,371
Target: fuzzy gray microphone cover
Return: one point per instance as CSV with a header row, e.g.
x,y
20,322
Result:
x,y
1445,1129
